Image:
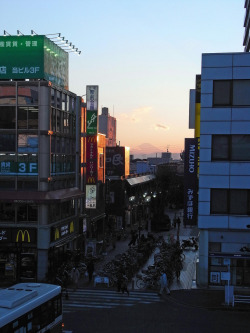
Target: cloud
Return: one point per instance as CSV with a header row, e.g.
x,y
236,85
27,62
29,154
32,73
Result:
x,y
159,126
137,115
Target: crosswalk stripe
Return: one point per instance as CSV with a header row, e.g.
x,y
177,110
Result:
x,y
100,299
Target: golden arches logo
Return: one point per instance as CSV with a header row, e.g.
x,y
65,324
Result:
x,y
23,233
57,235
92,138
91,180
71,227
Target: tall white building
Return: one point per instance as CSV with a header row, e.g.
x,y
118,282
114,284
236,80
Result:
x,y
224,170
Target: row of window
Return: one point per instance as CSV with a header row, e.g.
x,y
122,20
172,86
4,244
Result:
x,y
231,93
28,95
27,118
230,201
231,147
29,212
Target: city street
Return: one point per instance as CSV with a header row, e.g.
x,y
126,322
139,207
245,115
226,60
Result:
x,y
184,311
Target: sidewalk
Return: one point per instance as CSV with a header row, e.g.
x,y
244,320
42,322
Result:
x,y
188,274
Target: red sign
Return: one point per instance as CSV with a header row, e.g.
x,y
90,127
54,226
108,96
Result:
x,y
91,154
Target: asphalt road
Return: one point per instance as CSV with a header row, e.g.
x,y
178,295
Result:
x,y
170,314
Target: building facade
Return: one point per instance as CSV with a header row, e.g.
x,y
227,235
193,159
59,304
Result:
x,y
40,190
224,170
246,39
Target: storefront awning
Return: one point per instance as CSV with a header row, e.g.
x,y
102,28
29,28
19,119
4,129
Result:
x,y
40,197
140,180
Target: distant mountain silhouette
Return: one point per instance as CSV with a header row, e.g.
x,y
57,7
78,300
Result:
x,y
146,150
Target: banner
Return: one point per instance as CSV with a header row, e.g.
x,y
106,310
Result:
x,y
190,182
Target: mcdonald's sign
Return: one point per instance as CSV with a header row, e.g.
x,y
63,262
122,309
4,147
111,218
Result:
x,y
71,227
57,235
23,236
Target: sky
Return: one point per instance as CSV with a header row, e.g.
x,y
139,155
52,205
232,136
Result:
x,y
143,55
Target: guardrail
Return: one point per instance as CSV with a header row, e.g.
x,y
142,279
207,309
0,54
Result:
x,y
240,299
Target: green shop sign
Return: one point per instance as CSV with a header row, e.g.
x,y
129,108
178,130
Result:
x,y
33,57
91,122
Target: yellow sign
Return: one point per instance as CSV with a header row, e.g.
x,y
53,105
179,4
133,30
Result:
x,y
23,233
57,236
71,227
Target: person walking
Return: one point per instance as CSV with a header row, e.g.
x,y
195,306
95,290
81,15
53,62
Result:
x,y
75,275
164,284
90,269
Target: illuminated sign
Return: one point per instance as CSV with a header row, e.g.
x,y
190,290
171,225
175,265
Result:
x,y
33,57
190,182
24,235
91,155
17,168
92,122
91,196
92,98
62,231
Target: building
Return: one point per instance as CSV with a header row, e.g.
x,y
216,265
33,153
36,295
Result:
x,y
44,150
246,39
107,126
39,177
224,170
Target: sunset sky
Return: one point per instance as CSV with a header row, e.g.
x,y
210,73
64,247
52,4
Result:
x,y
143,54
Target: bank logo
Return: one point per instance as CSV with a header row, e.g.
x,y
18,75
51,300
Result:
x,y
24,236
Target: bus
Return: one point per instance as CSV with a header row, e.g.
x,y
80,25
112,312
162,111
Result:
x,y
31,307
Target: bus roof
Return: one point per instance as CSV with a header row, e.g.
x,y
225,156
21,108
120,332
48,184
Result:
x,y
22,298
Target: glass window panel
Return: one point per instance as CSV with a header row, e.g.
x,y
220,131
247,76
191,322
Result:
x,y
7,117
8,95
53,144
240,148
7,142
219,201
7,212
22,213
27,143
53,120
58,99
222,93
33,118
7,184
63,102
58,121
53,97
238,202
27,95
241,92
220,147
32,213
22,118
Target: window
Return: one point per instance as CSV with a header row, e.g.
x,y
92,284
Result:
x,y
8,95
222,93
219,201
27,95
231,147
241,92
220,147
7,142
231,93
7,117
27,118
230,201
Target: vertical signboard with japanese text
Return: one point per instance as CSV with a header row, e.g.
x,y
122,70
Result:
x,y
33,57
91,145
190,182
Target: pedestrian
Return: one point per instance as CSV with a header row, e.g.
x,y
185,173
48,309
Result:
x,y
90,269
124,284
164,284
75,275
